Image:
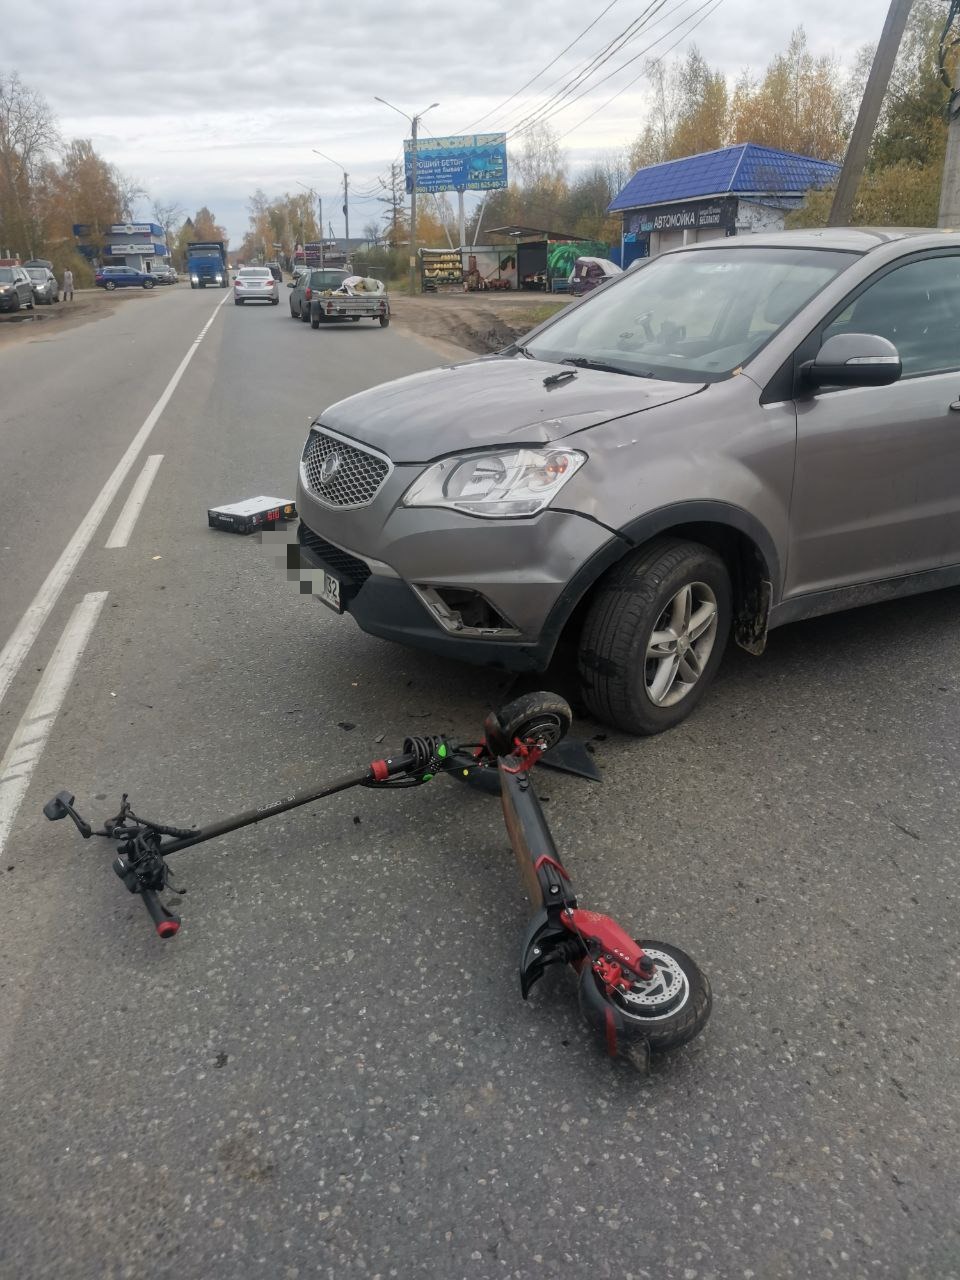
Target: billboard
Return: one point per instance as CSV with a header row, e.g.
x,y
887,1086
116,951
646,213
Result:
x,y
473,162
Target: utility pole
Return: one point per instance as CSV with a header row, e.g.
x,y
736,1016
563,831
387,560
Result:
x,y
853,162
949,214
413,205
414,124
346,197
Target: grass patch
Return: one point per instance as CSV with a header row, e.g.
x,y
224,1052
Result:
x,y
537,315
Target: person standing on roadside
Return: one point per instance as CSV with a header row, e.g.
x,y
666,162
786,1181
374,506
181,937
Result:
x,y
68,285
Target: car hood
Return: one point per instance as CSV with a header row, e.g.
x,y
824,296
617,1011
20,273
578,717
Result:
x,y
491,402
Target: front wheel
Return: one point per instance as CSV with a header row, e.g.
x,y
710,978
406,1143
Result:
x,y
149,284
668,1011
111,284
654,636
384,322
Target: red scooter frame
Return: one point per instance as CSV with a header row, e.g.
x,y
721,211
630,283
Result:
x,y
639,996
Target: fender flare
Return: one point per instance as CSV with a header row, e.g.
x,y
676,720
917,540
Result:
x,y
640,531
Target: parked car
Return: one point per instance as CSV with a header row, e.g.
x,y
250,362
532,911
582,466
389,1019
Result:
x,y
16,289
310,281
44,282
590,273
165,274
255,284
123,278
275,270
737,434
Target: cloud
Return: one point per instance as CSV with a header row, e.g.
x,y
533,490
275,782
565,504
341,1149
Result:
x,y
205,102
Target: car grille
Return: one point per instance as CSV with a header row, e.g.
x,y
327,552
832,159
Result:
x,y
353,475
346,567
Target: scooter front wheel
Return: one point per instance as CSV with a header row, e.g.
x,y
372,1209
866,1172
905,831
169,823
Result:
x,y
669,1010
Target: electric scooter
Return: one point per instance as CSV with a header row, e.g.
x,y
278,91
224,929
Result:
x,y
639,996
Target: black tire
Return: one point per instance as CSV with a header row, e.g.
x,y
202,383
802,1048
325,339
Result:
x,y
111,284
670,1031
355,319
149,284
384,322
238,302
627,604
274,302
535,716
315,321
305,313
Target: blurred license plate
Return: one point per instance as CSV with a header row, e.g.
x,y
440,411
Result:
x,y
330,592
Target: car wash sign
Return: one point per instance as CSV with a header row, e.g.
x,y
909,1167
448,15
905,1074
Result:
x,y
720,214
471,162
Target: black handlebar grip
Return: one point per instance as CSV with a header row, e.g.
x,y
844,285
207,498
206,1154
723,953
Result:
x,y
167,922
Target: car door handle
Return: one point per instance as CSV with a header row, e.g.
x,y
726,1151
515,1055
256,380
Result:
x,y
955,406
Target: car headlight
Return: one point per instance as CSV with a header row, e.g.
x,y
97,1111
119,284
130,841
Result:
x,y
498,486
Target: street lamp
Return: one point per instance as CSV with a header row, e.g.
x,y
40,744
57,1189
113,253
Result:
x,y
319,199
414,122
346,187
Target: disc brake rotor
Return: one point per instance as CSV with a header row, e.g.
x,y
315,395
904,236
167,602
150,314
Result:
x,y
664,995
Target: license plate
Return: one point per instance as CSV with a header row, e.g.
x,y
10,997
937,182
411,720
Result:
x,y
330,592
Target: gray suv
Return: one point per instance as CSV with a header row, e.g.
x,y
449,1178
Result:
x,y
730,437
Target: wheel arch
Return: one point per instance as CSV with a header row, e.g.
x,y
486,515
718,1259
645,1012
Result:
x,y
741,541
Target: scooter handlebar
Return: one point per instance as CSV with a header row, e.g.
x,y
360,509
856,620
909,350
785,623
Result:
x,y
166,922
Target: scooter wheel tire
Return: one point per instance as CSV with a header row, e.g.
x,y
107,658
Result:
x,y
673,1009
538,716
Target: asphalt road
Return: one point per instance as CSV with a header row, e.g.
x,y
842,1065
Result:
x,y
330,1071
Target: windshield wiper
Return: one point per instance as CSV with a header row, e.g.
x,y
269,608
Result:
x,y
582,362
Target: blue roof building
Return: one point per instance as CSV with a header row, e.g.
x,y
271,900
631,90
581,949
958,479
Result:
x,y
727,192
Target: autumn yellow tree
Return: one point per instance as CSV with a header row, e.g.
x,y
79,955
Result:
x,y
799,104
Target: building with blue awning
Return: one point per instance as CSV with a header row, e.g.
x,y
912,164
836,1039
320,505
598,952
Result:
x,y
728,192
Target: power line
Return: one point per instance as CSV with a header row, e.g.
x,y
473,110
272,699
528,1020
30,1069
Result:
x,y
706,5
659,58
592,65
470,127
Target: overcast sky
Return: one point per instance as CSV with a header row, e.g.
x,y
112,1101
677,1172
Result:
x,y
203,101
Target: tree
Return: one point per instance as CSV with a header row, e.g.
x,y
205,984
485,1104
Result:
x,y
799,105
168,216
700,122
28,134
901,185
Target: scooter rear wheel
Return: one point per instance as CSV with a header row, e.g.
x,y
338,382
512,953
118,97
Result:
x,y
536,717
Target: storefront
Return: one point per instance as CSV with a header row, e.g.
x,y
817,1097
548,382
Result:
x,y
733,191
545,256
137,245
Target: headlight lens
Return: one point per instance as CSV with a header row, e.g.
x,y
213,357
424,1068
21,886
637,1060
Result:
x,y
499,486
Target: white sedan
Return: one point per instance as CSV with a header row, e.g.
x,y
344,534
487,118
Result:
x,y
255,284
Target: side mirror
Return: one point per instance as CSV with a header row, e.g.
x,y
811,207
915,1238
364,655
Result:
x,y
854,360
290,284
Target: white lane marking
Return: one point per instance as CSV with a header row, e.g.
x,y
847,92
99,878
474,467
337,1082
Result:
x,y
120,535
30,737
37,612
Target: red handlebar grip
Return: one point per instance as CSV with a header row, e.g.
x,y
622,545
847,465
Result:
x,y
167,922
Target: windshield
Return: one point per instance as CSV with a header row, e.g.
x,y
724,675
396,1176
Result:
x,y
327,279
693,316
